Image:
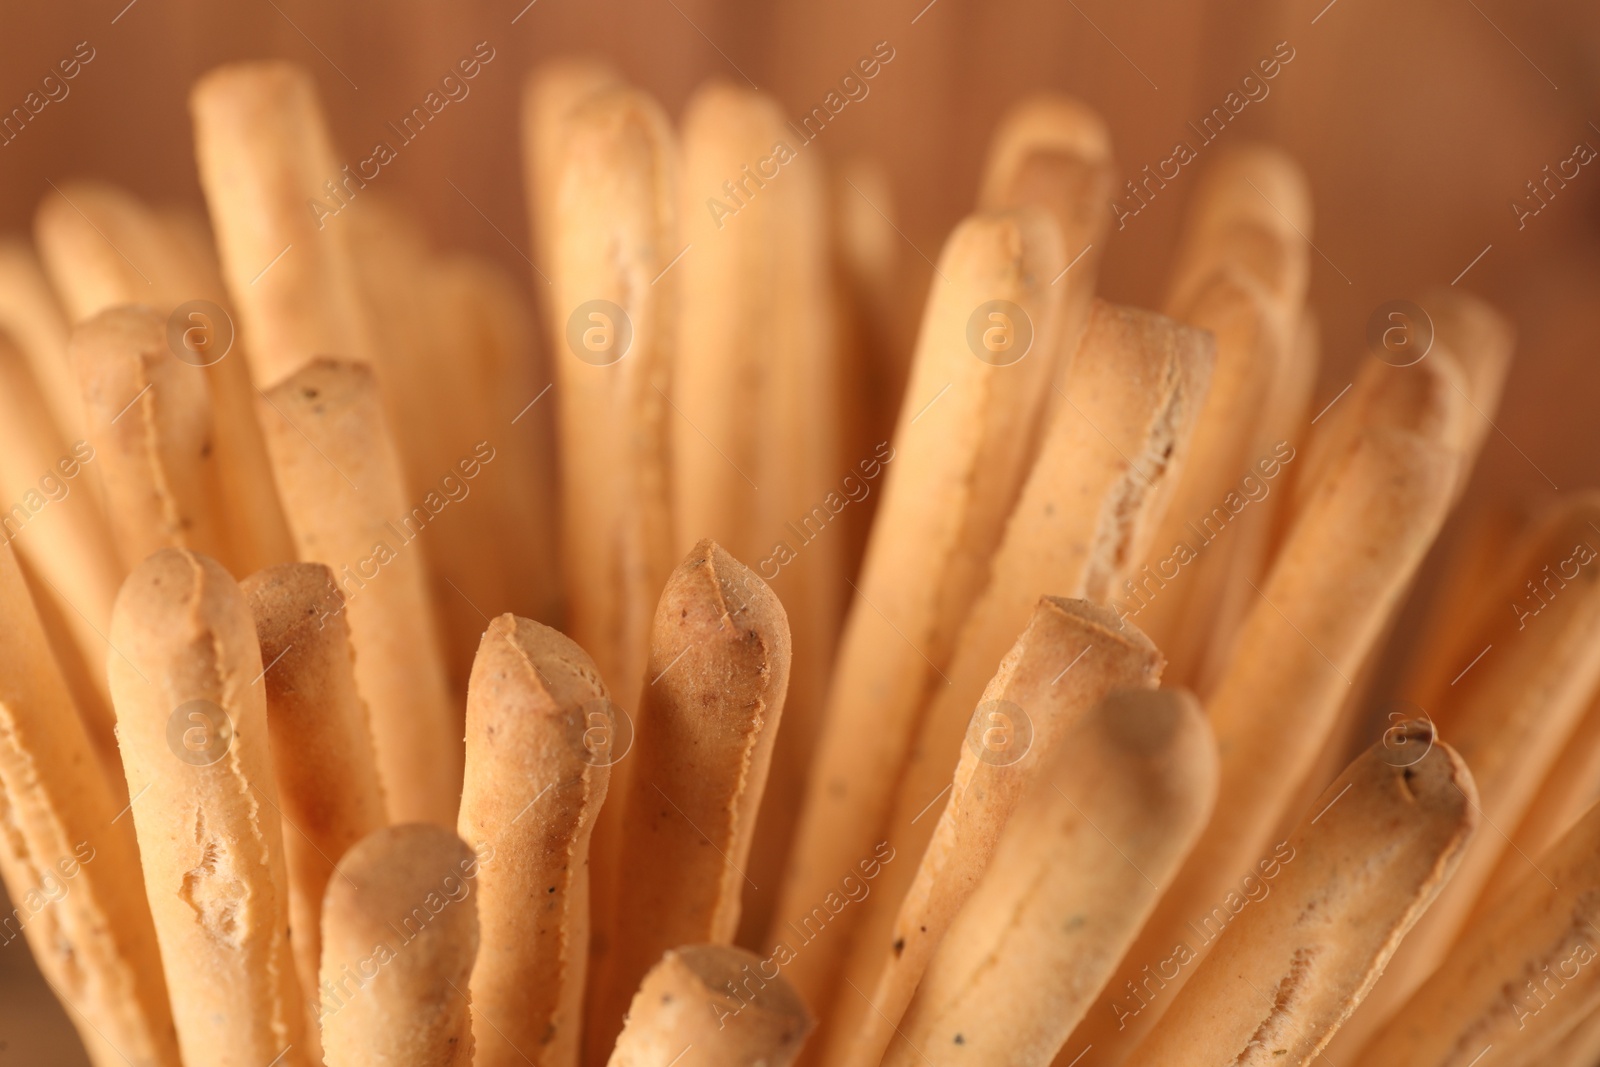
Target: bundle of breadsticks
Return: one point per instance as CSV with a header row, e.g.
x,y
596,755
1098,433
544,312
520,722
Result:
x,y
677,668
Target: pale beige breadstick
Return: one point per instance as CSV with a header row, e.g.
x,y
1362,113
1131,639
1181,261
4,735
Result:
x,y
719,1002
323,762
719,669
1076,873
1338,578
399,935
264,154
1570,786
1481,340
1364,862
541,736
31,314
151,423
1054,152
70,864
48,514
549,95
1517,980
1509,714
1015,734
105,248
1114,449
958,460
192,724
338,473
758,375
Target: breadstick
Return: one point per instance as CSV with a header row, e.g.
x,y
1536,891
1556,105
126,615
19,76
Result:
x,y
1480,340
400,931
265,158
192,723
105,248
60,533
1113,451
958,460
1075,874
1510,713
719,669
1518,980
1581,1046
70,865
757,375
1339,576
1054,152
705,997
1036,687
1360,869
150,422
540,731
31,315
326,772
339,477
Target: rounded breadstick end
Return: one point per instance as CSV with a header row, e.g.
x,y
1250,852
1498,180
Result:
x,y
399,937
733,1006
710,585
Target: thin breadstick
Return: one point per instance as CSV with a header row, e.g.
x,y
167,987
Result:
x,y
70,864
1480,340
540,734
326,772
1509,714
1338,578
31,315
264,154
1075,875
51,518
1581,1046
192,723
339,476
151,424
757,375
1365,861
958,461
400,931
1034,699
719,669
706,998
105,248
1114,449
1518,980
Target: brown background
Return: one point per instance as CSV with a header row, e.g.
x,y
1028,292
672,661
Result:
x,y
1418,123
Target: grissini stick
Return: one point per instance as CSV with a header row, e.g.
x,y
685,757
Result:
x,y
262,145
192,723
719,669
959,457
1510,713
32,316
541,736
757,374
1365,861
326,771
1077,871
339,477
70,864
151,423
1341,573
399,935
58,527
1115,447
1581,1046
1035,697
104,248
720,1002
1517,980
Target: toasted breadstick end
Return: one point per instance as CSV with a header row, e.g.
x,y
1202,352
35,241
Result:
x,y
720,1000
399,934
1366,860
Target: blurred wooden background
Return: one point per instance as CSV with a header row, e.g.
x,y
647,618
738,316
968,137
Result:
x,y
1418,122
